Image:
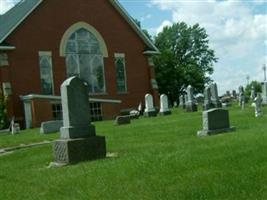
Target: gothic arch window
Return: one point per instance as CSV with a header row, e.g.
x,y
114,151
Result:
x,y
85,59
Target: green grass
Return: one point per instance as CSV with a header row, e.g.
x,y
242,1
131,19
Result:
x,y
159,158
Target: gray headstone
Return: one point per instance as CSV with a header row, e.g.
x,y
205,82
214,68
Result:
x,y
242,98
182,101
207,99
190,104
214,96
215,121
78,139
164,105
150,111
264,93
258,105
51,126
124,119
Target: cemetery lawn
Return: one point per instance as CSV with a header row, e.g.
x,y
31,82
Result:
x,y
158,158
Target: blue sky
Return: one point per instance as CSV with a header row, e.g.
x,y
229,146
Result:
x,y
237,31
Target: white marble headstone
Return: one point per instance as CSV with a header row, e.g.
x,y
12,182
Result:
x,y
164,105
149,103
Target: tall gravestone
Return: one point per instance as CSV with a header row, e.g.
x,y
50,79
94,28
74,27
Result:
x,y
258,107
182,101
264,93
215,121
150,111
190,104
214,96
242,97
207,99
78,140
164,105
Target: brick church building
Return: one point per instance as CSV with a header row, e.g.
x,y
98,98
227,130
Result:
x,y
42,42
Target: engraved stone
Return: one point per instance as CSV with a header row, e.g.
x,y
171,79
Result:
x,y
164,105
150,111
78,140
215,121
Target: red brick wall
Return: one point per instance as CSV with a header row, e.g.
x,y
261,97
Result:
x,y
43,31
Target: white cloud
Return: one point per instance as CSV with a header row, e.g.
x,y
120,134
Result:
x,y
237,34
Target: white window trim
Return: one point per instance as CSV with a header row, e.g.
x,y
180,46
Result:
x,y
77,26
48,53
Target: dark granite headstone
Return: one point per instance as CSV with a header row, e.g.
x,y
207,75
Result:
x,y
125,119
215,121
78,140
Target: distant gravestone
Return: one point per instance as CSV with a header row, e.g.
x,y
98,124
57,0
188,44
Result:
x,y
182,101
228,94
150,111
78,140
214,96
190,104
121,120
264,93
207,99
51,126
215,121
258,105
164,105
253,93
242,97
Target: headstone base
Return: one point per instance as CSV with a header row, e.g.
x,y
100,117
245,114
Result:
x,y
165,113
150,114
69,151
214,132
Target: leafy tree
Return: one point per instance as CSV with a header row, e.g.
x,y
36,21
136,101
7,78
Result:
x,y
257,88
185,59
138,23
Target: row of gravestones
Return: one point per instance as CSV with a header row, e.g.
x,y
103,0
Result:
x,y
78,140
150,110
211,99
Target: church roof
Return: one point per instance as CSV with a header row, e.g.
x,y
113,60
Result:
x,y
16,15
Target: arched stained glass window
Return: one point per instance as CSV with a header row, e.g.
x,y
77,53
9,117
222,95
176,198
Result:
x,y
85,60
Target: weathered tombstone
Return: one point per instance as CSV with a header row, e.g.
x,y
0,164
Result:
x,y
164,105
258,106
190,104
242,97
264,93
78,140
121,120
150,111
214,96
253,93
207,99
228,93
51,126
182,101
215,121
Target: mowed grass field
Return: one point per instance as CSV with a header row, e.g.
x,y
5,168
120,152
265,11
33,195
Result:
x,y
157,158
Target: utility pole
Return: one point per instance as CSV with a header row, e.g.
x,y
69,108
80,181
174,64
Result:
x,y
264,69
247,79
